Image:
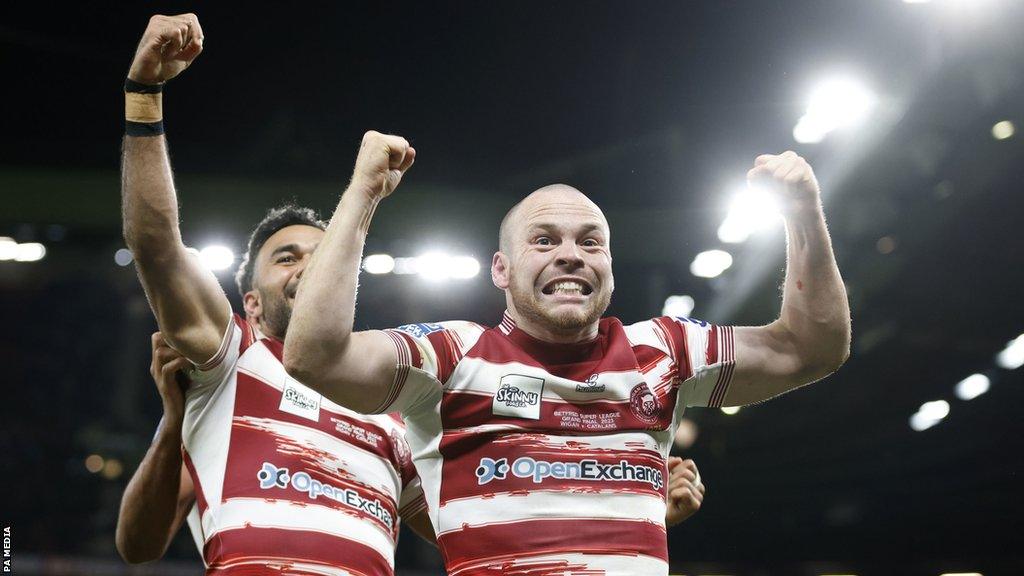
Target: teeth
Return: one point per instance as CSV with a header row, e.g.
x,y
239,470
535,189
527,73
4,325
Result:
x,y
567,287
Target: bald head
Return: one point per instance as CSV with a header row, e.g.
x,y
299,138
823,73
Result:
x,y
552,197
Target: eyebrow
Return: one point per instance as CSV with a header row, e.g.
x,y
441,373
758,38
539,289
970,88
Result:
x,y
293,248
553,227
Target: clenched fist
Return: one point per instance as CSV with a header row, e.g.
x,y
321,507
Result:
x,y
168,46
789,176
685,490
382,161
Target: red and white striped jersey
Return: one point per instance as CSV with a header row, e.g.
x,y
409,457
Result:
x,y
550,459
287,479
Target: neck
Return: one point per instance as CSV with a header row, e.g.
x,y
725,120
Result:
x,y
555,335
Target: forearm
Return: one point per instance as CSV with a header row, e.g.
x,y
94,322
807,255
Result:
x,y
324,312
815,309
149,204
147,520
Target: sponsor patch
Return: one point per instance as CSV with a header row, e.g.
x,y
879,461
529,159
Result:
x,y
518,396
644,404
271,477
298,399
587,470
420,330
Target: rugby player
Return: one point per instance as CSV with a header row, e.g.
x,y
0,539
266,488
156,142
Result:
x,y
280,477
541,442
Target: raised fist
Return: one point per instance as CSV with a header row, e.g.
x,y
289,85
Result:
x,y
789,176
168,46
382,160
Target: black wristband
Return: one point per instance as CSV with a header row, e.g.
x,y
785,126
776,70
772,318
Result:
x,y
143,128
140,88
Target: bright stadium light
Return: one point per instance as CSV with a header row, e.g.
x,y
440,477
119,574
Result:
x,y
29,252
123,257
751,210
973,386
379,264
834,104
463,267
8,248
1003,130
1012,357
930,414
217,257
437,266
710,263
677,306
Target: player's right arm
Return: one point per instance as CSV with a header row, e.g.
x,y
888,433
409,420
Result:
x,y
160,493
190,306
353,369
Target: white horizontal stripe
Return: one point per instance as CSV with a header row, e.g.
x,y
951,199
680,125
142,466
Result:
x,y
369,468
479,376
259,566
622,443
260,363
259,513
605,564
546,505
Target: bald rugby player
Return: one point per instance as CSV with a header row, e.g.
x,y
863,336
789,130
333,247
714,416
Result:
x,y
541,442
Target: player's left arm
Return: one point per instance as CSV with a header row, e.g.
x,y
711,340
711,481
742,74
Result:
x,y
811,338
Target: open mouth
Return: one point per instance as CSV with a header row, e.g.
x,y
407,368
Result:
x,y
568,287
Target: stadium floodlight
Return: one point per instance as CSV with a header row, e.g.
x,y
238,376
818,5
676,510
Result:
x,y
930,414
1003,130
463,267
123,257
29,252
710,263
437,266
677,306
217,257
973,386
752,209
1012,357
8,248
834,104
379,264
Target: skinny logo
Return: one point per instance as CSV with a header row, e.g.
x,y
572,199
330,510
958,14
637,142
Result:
x,y
518,396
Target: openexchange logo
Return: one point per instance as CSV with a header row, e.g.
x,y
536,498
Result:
x,y
589,470
271,476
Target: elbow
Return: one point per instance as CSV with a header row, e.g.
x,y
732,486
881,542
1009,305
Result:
x,y
830,356
303,366
134,552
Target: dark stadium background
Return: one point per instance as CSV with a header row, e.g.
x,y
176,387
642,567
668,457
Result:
x,y
653,109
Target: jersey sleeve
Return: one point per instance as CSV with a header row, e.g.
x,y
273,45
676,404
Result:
x,y
206,378
704,355
427,355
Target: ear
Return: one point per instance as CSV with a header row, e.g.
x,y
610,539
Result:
x,y
252,304
499,271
